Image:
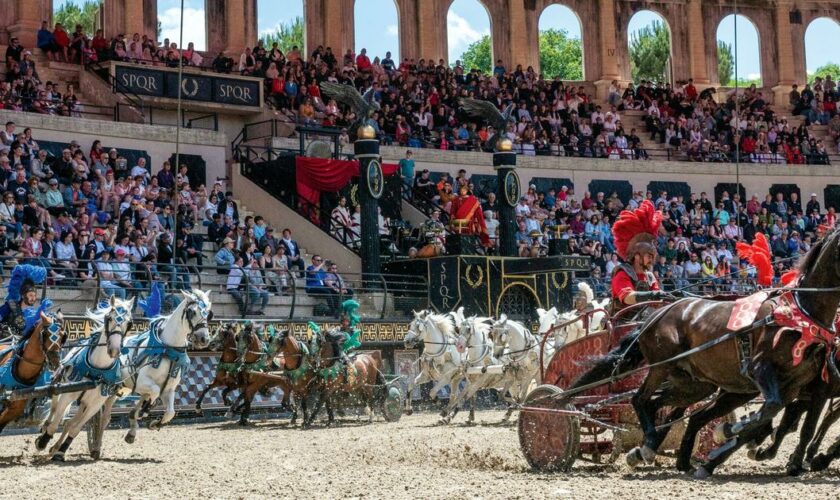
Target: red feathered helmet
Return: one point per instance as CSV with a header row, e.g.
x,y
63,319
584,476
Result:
x,y
635,231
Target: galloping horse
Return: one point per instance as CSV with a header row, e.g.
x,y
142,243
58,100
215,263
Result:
x,y
440,361
98,360
479,353
256,359
363,377
25,364
770,358
294,378
225,340
520,357
157,359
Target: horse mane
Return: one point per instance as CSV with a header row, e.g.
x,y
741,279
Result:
x,y
809,260
443,322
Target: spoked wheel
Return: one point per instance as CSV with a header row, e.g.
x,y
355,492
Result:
x,y
705,442
95,430
392,404
549,440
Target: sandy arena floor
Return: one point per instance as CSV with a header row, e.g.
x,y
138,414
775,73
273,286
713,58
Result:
x,y
414,458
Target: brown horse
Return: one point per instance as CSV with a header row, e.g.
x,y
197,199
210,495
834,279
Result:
x,y
226,341
257,358
767,368
294,379
362,379
40,351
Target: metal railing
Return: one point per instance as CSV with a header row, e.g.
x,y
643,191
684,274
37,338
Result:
x,y
378,294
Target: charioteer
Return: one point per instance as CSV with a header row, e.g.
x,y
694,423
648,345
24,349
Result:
x,y
21,310
633,280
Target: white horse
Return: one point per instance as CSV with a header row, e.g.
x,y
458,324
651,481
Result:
x,y
575,328
440,361
520,359
157,359
98,360
480,354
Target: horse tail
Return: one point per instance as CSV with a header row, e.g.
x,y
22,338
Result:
x,y
623,358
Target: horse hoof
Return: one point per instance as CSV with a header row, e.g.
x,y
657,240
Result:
x,y
753,454
199,411
794,470
701,473
409,411
634,457
820,462
129,438
648,455
96,455
58,457
244,422
154,425
42,441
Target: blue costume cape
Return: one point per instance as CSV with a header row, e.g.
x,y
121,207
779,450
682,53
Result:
x,y
31,315
155,351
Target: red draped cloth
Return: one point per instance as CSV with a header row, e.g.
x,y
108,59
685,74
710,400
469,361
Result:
x,y
314,175
468,208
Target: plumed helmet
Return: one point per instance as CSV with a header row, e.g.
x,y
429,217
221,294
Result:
x,y
635,231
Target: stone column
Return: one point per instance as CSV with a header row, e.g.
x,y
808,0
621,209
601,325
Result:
x,y
431,30
407,14
240,17
697,45
339,28
784,47
524,35
26,22
371,185
609,61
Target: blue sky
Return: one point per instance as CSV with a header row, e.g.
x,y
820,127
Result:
x,y
467,21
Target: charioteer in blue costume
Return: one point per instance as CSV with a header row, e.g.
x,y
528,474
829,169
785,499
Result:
x,y
21,311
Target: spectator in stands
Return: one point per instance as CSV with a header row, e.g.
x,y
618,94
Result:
x,y
62,39
46,41
292,250
225,257
315,282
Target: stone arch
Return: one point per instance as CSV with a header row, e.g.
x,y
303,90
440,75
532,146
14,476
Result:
x,y
359,44
586,12
566,10
813,64
750,27
451,56
627,36
197,26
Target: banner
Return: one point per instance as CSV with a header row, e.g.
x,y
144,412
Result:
x,y
313,175
162,82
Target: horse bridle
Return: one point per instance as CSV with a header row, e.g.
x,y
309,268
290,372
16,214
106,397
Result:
x,y
203,311
444,346
530,342
486,347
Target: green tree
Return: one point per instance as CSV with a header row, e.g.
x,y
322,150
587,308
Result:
x,y
70,14
478,56
650,48
828,68
560,56
287,35
726,62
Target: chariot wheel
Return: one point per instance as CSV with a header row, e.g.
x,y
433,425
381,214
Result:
x,y
705,442
95,430
392,404
549,441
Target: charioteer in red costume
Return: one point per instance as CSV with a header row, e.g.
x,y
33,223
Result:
x,y
467,216
633,280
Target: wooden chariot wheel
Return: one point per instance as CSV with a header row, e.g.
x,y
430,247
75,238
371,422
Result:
x,y
550,441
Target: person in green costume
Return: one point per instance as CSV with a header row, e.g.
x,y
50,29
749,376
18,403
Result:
x,y
346,338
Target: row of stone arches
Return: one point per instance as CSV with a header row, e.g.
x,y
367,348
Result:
x,y
378,23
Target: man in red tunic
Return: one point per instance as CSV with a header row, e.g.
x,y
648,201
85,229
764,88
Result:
x,y
634,233
467,217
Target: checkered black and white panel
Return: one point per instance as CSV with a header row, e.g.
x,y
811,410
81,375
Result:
x,y
200,375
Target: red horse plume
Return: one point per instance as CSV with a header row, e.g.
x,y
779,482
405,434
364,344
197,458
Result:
x,y
758,254
644,220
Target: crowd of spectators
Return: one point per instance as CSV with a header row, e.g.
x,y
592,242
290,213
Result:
x,y
419,102
92,220
697,241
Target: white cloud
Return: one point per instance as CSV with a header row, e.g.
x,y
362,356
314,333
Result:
x,y
461,34
194,26
392,29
